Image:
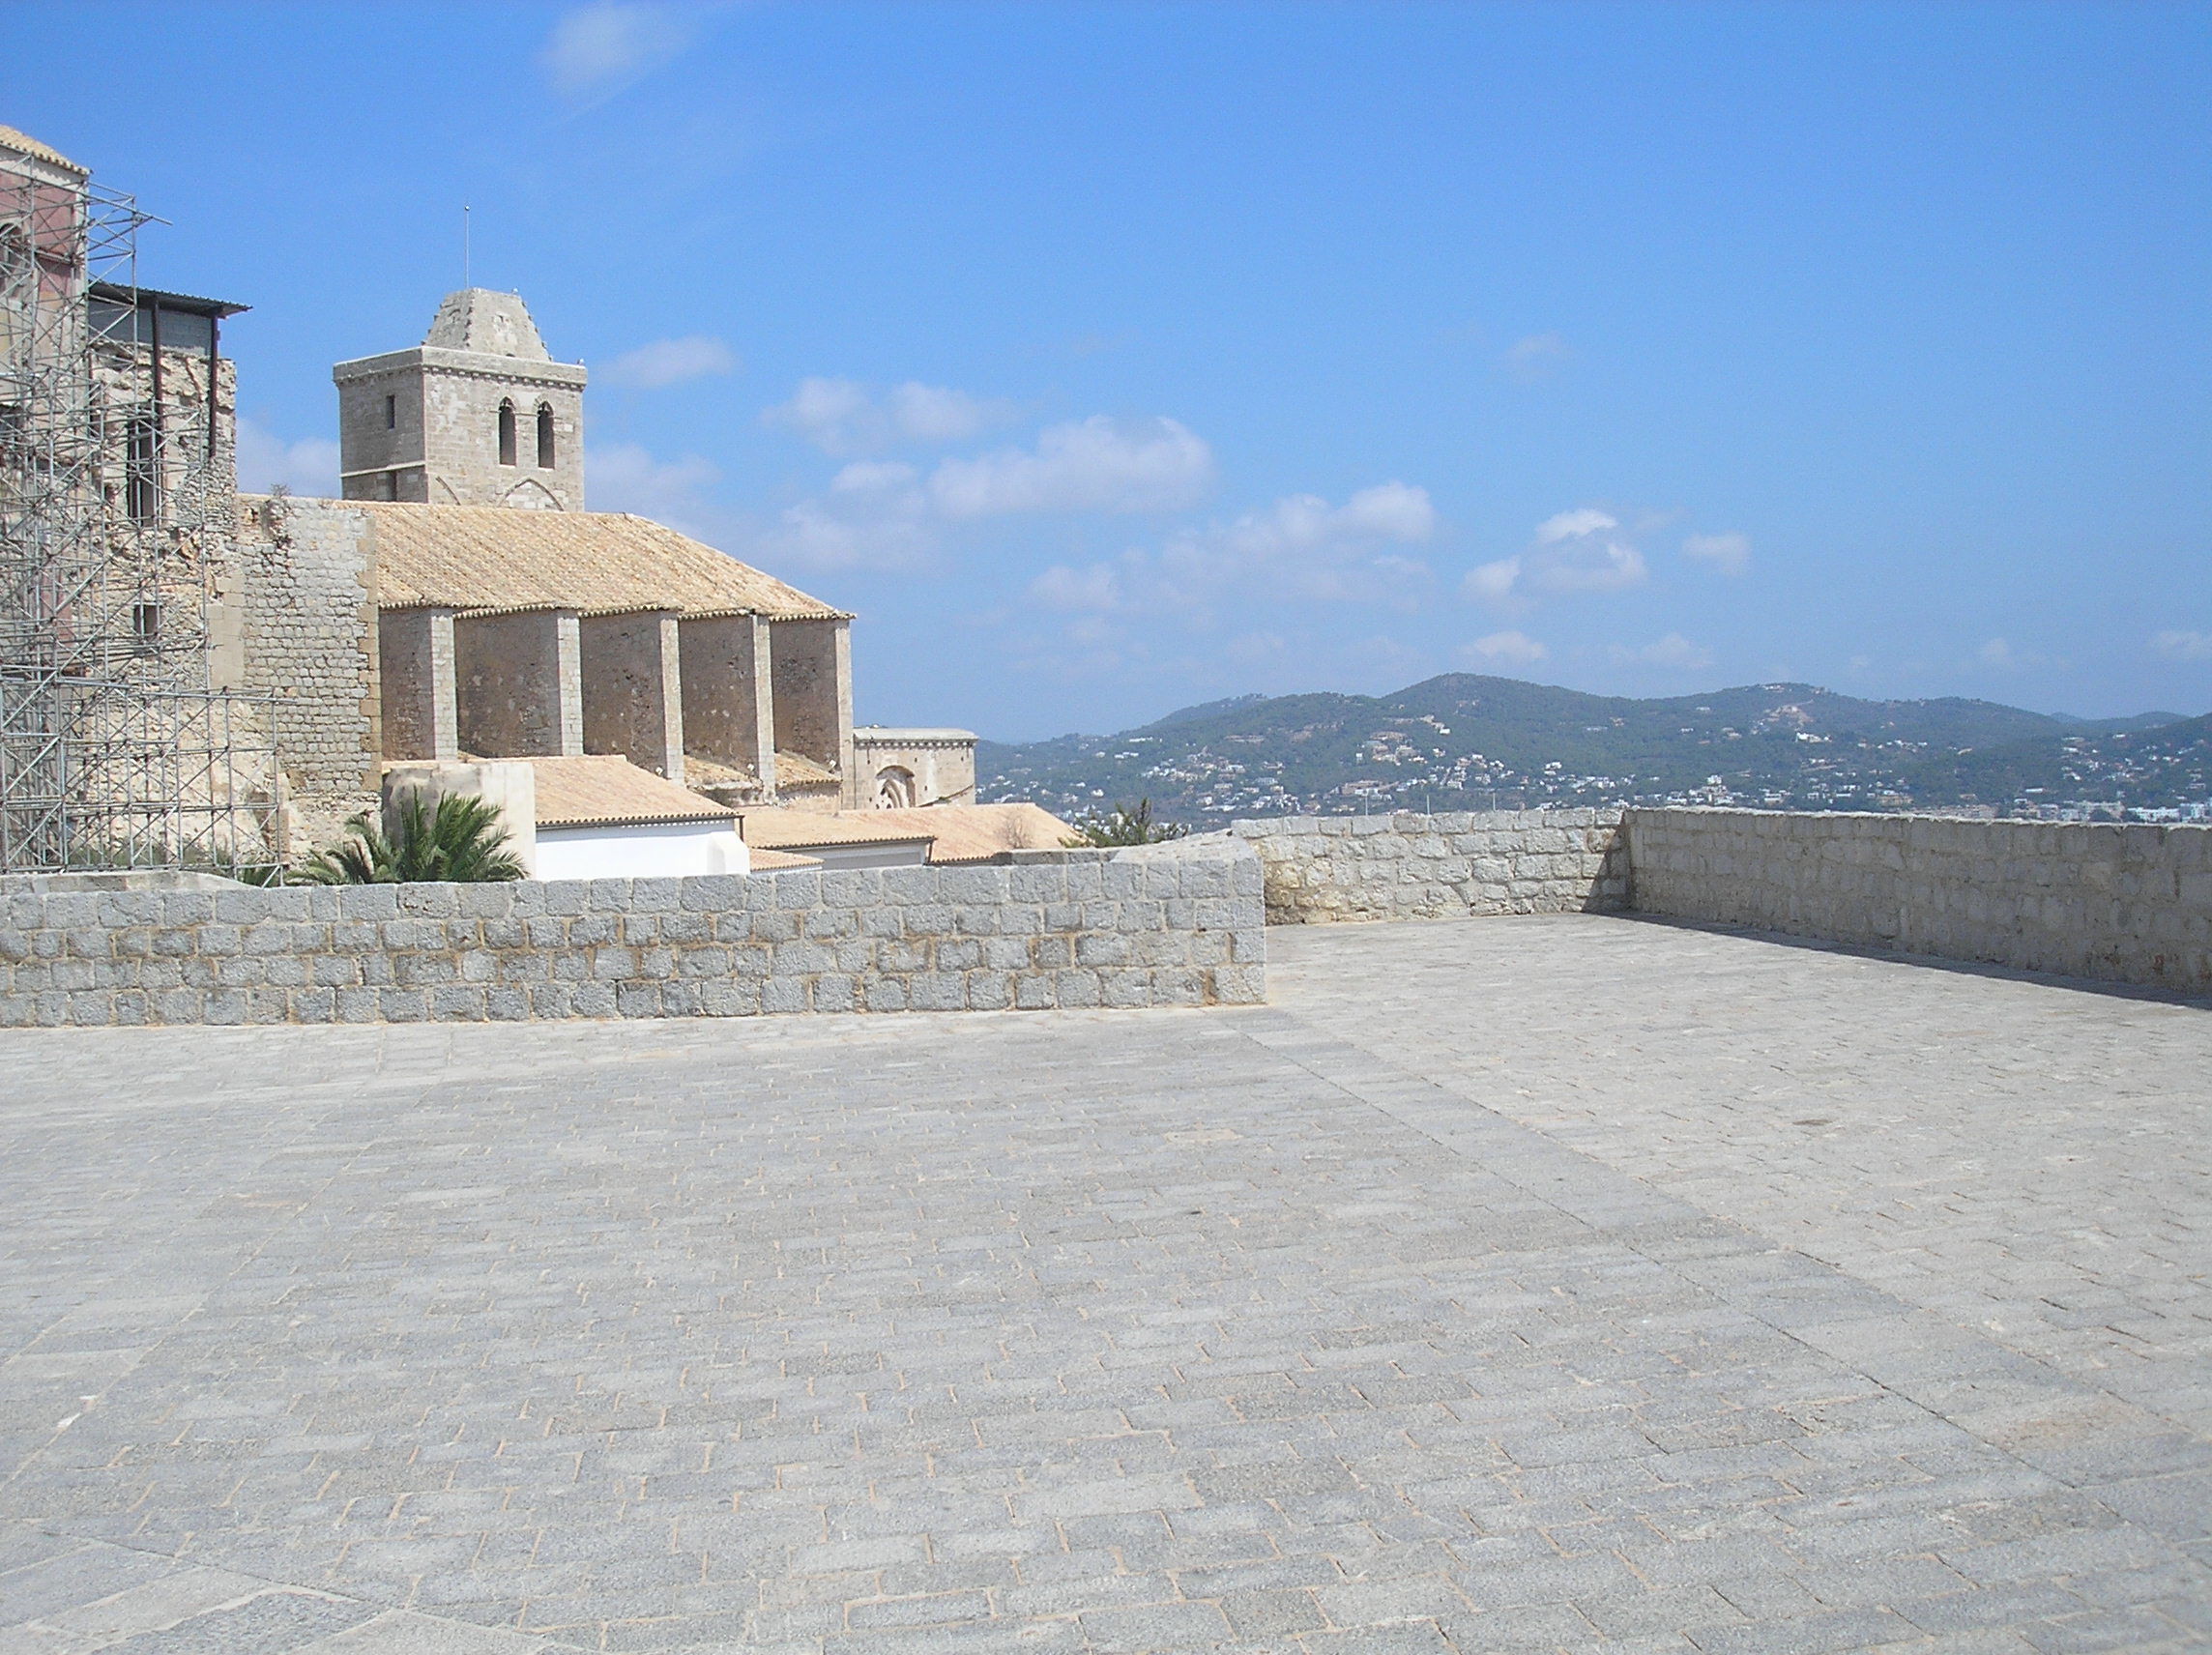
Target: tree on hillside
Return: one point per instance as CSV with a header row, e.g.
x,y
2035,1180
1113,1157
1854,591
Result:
x,y
1124,826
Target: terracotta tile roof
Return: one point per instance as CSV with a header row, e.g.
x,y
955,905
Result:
x,y
25,144
956,832
607,791
977,832
495,556
794,769
776,829
767,861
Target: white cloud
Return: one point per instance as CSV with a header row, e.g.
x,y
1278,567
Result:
x,y
872,476
844,417
934,414
892,537
2183,646
670,362
1493,583
602,47
1539,356
1504,649
1303,546
1672,654
1062,588
309,467
1729,553
1582,550
625,478
1996,652
1097,464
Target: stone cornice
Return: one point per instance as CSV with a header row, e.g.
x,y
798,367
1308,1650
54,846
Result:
x,y
462,365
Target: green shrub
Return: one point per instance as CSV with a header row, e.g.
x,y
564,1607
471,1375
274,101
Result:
x,y
459,842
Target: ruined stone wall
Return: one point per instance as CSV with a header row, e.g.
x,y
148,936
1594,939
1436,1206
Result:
x,y
2121,902
1156,925
1409,866
306,617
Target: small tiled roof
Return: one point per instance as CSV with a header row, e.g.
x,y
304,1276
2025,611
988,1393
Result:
x,y
776,829
956,832
495,556
977,832
608,791
22,143
795,770
767,861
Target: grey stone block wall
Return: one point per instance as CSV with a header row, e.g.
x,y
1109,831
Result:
x,y
308,618
2120,902
1177,924
1409,866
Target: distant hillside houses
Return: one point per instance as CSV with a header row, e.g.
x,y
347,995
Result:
x,y
1465,742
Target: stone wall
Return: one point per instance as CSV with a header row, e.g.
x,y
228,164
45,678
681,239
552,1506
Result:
x,y
1177,924
416,665
2120,902
305,602
632,689
810,667
1409,866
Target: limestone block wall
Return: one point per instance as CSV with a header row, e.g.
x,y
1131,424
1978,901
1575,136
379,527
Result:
x,y
727,696
305,598
810,666
632,688
420,699
2125,903
1410,866
1176,924
519,682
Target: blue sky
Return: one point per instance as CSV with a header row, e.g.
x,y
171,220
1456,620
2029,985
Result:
x,y
1110,358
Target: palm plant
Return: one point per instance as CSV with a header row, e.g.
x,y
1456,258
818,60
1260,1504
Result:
x,y
1126,825
458,842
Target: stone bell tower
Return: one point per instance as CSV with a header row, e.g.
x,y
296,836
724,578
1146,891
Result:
x,y
479,413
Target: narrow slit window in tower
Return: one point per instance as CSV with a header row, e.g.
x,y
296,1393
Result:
x,y
391,413
507,433
544,437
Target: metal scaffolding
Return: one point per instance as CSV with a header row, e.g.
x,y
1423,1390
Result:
x,y
115,751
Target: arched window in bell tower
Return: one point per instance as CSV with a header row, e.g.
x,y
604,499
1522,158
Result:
x,y
506,432
544,436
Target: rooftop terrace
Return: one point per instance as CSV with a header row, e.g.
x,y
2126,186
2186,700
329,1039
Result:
x,y
1574,1283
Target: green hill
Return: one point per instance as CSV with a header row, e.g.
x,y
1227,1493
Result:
x,y
1464,741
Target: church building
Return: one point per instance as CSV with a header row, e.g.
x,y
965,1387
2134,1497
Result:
x,y
460,603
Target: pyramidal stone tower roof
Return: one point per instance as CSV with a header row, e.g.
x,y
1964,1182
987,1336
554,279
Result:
x,y
490,324
479,413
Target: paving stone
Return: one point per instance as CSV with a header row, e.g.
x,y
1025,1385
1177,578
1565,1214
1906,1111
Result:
x,y
1483,1292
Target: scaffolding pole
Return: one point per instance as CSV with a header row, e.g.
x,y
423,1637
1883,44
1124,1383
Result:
x,y
115,750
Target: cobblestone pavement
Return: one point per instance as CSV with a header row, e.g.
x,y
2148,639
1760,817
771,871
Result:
x,y
1486,1293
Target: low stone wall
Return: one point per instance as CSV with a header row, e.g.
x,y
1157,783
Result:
x,y
2121,902
1177,924
1409,866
